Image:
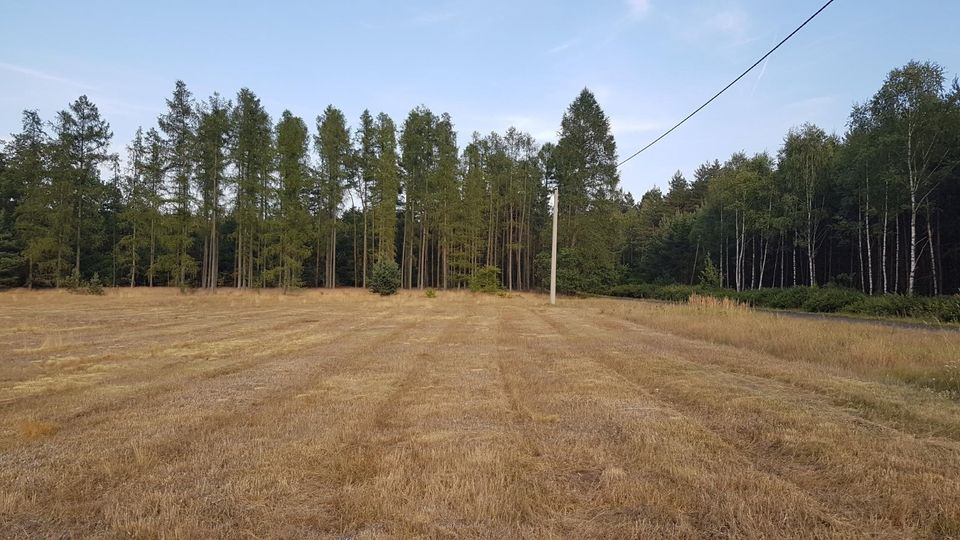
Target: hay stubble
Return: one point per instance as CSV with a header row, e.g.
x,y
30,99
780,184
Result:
x,y
347,415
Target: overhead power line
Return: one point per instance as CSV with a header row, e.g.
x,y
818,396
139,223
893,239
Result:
x,y
725,88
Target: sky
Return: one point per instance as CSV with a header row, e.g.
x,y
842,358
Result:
x,y
491,64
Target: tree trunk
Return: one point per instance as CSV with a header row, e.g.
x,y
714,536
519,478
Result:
x,y
911,276
794,250
933,258
896,259
866,219
364,283
883,248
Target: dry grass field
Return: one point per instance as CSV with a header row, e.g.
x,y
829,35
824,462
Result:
x,y
345,415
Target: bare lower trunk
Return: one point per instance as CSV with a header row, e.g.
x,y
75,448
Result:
x,y
364,284
863,282
911,275
883,248
794,250
866,223
933,258
896,259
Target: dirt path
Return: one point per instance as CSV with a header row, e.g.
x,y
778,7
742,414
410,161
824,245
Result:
x,y
344,415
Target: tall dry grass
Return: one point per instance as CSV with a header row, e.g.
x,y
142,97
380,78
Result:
x,y
927,359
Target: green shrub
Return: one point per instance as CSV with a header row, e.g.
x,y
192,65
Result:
x,y
791,298
634,290
884,306
430,293
385,278
675,293
945,308
830,300
94,286
756,297
485,280
710,276
76,285
73,282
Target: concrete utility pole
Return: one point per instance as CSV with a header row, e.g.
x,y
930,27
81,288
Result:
x,y
553,254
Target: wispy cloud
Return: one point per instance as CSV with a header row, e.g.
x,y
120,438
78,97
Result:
x,y
729,22
433,17
756,83
638,8
37,74
723,27
563,46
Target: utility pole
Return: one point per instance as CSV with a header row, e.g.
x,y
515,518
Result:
x,y
553,253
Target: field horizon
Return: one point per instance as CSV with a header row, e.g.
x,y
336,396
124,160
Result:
x,y
343,414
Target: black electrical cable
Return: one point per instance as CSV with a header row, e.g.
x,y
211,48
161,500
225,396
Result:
x,y
725,88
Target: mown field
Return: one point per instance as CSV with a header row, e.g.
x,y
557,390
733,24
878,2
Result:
x,y
340,414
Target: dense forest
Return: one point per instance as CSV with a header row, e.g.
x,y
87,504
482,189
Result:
x,y
217,194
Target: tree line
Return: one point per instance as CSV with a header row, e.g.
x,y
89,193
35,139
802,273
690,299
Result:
x,y
875,209
217,194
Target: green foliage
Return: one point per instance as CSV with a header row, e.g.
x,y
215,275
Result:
x,y
830,299
11,263
710,275
336,162
583,165
485,280
430,293
386,187
813,299
385,278
213,193
670,253
579,272
73,281
94,286
75,284
252,153
293,219
179,127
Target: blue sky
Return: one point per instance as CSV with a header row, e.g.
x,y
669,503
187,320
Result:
x,y
489,64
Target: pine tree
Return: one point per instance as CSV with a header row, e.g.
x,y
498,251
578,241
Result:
x,y
446,190
417,148
366,168
252,155
213,133
470,224
333,145
78,152
154,172
585,165
11,262
386,188
179,126
135,213
678,193
294,178
27,173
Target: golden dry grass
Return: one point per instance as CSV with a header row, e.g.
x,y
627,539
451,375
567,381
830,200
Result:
x,y
346,415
